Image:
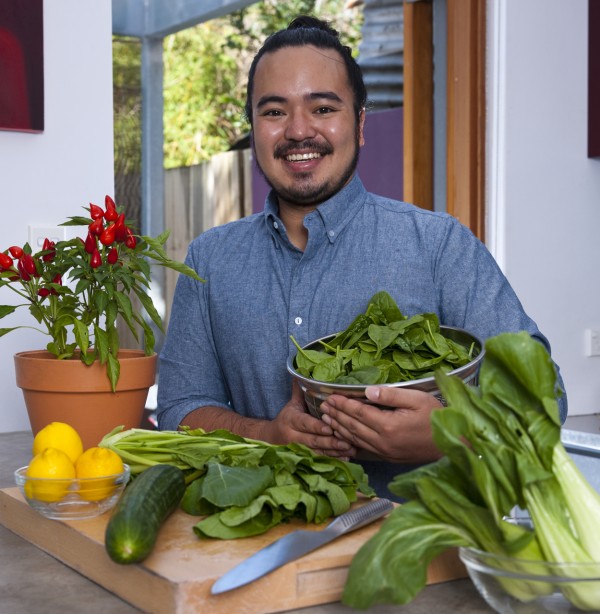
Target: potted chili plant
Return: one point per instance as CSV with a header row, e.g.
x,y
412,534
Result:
x,y
77,291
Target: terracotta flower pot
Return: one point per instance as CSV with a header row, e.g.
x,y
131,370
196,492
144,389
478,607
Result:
x,y
69,391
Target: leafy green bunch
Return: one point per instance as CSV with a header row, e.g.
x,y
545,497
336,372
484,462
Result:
x,y
78,289
381,346
243,486
502,452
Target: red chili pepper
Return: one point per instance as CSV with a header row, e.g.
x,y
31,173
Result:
x,y
50,247
6,262
90,243
130,241
43,292
108,235
57,280
25,276
120,229
113,255
96,259
96,227
111,213
28,264
15,251
96,212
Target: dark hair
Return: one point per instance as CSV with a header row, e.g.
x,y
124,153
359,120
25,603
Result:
x,y
306,30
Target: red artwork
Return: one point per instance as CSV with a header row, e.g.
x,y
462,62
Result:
x,y
21,65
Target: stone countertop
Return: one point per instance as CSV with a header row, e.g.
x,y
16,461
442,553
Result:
x,y
33,581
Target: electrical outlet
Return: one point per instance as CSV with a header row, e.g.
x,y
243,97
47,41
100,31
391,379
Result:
x,y
37,234
592,342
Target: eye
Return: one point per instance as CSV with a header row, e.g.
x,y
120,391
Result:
x,y
324,110
271,113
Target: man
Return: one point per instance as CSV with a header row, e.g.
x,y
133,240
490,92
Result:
x,y
309,263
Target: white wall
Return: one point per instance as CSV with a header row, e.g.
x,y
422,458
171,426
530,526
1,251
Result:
x,y
44,178
544,193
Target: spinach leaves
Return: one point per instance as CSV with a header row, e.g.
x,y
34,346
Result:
x,y
244,486
383,346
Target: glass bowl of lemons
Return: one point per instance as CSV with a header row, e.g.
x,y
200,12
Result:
x,y
65,482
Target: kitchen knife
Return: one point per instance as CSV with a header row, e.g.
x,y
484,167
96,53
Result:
x,y
297,544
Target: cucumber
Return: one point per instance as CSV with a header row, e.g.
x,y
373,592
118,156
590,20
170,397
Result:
x,y
147,502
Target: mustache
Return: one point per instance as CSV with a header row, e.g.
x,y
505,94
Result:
x,y
309,145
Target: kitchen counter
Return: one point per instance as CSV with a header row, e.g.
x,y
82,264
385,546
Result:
x,y
33,581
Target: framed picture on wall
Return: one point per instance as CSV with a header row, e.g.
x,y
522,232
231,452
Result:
x,y
22,65
594,79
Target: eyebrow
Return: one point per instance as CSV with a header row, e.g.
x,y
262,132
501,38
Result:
x,y
309,97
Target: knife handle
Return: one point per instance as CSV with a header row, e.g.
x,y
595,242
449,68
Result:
x,y
361,516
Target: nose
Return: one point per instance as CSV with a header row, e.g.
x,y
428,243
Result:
x,y
299,126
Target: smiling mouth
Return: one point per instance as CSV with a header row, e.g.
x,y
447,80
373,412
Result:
x,y
299,157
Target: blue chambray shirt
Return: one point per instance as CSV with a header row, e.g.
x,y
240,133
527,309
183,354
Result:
x,y
229,338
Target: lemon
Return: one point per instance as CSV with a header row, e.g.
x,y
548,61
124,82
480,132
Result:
x,y
96,463
56,467
60,436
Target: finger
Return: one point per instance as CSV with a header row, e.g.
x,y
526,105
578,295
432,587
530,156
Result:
x,y
348,427
400,398
332,446
352,413
308,424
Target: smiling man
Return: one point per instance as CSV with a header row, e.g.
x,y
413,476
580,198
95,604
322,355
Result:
x,y
307,131
309,264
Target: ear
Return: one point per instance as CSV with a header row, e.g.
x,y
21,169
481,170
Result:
x,y
361,126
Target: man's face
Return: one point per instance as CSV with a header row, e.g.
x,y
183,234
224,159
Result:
x,y
305,134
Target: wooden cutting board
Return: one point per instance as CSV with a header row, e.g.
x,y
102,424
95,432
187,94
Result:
x,y
176,578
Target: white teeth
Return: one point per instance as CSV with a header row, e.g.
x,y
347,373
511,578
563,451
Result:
x,y
304,156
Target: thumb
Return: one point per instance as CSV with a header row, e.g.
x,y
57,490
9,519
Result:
x,y
399,397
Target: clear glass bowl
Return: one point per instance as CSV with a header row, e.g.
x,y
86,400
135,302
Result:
x,y
66,499
511,585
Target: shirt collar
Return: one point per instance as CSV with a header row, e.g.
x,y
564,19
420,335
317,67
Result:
x,y
333,214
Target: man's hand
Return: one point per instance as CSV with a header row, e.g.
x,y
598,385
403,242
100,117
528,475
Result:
x,y
401,434
294,424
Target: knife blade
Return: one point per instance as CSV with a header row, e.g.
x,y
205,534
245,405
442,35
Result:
x,y
297,544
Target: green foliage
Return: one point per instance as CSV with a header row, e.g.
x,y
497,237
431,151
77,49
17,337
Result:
x,y
99,275
502,448
244,486
127,102
383,346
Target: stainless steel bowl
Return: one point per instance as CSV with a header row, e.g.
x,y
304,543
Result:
x,y
316,392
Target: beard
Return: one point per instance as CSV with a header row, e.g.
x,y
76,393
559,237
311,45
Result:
x,y
304,191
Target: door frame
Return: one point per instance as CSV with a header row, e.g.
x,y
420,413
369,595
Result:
x,y
465,108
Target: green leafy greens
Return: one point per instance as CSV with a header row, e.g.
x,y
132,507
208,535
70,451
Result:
x,y
383,346
502,450
243,486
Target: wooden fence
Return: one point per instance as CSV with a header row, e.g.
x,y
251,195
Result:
x,y
203,196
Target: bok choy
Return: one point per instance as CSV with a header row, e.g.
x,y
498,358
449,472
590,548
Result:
x,y
502,451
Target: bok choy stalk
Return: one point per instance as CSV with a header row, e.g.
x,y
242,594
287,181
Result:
x,y
502,449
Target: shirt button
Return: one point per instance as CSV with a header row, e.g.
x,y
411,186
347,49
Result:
x,y
331,233
298,321
275,225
